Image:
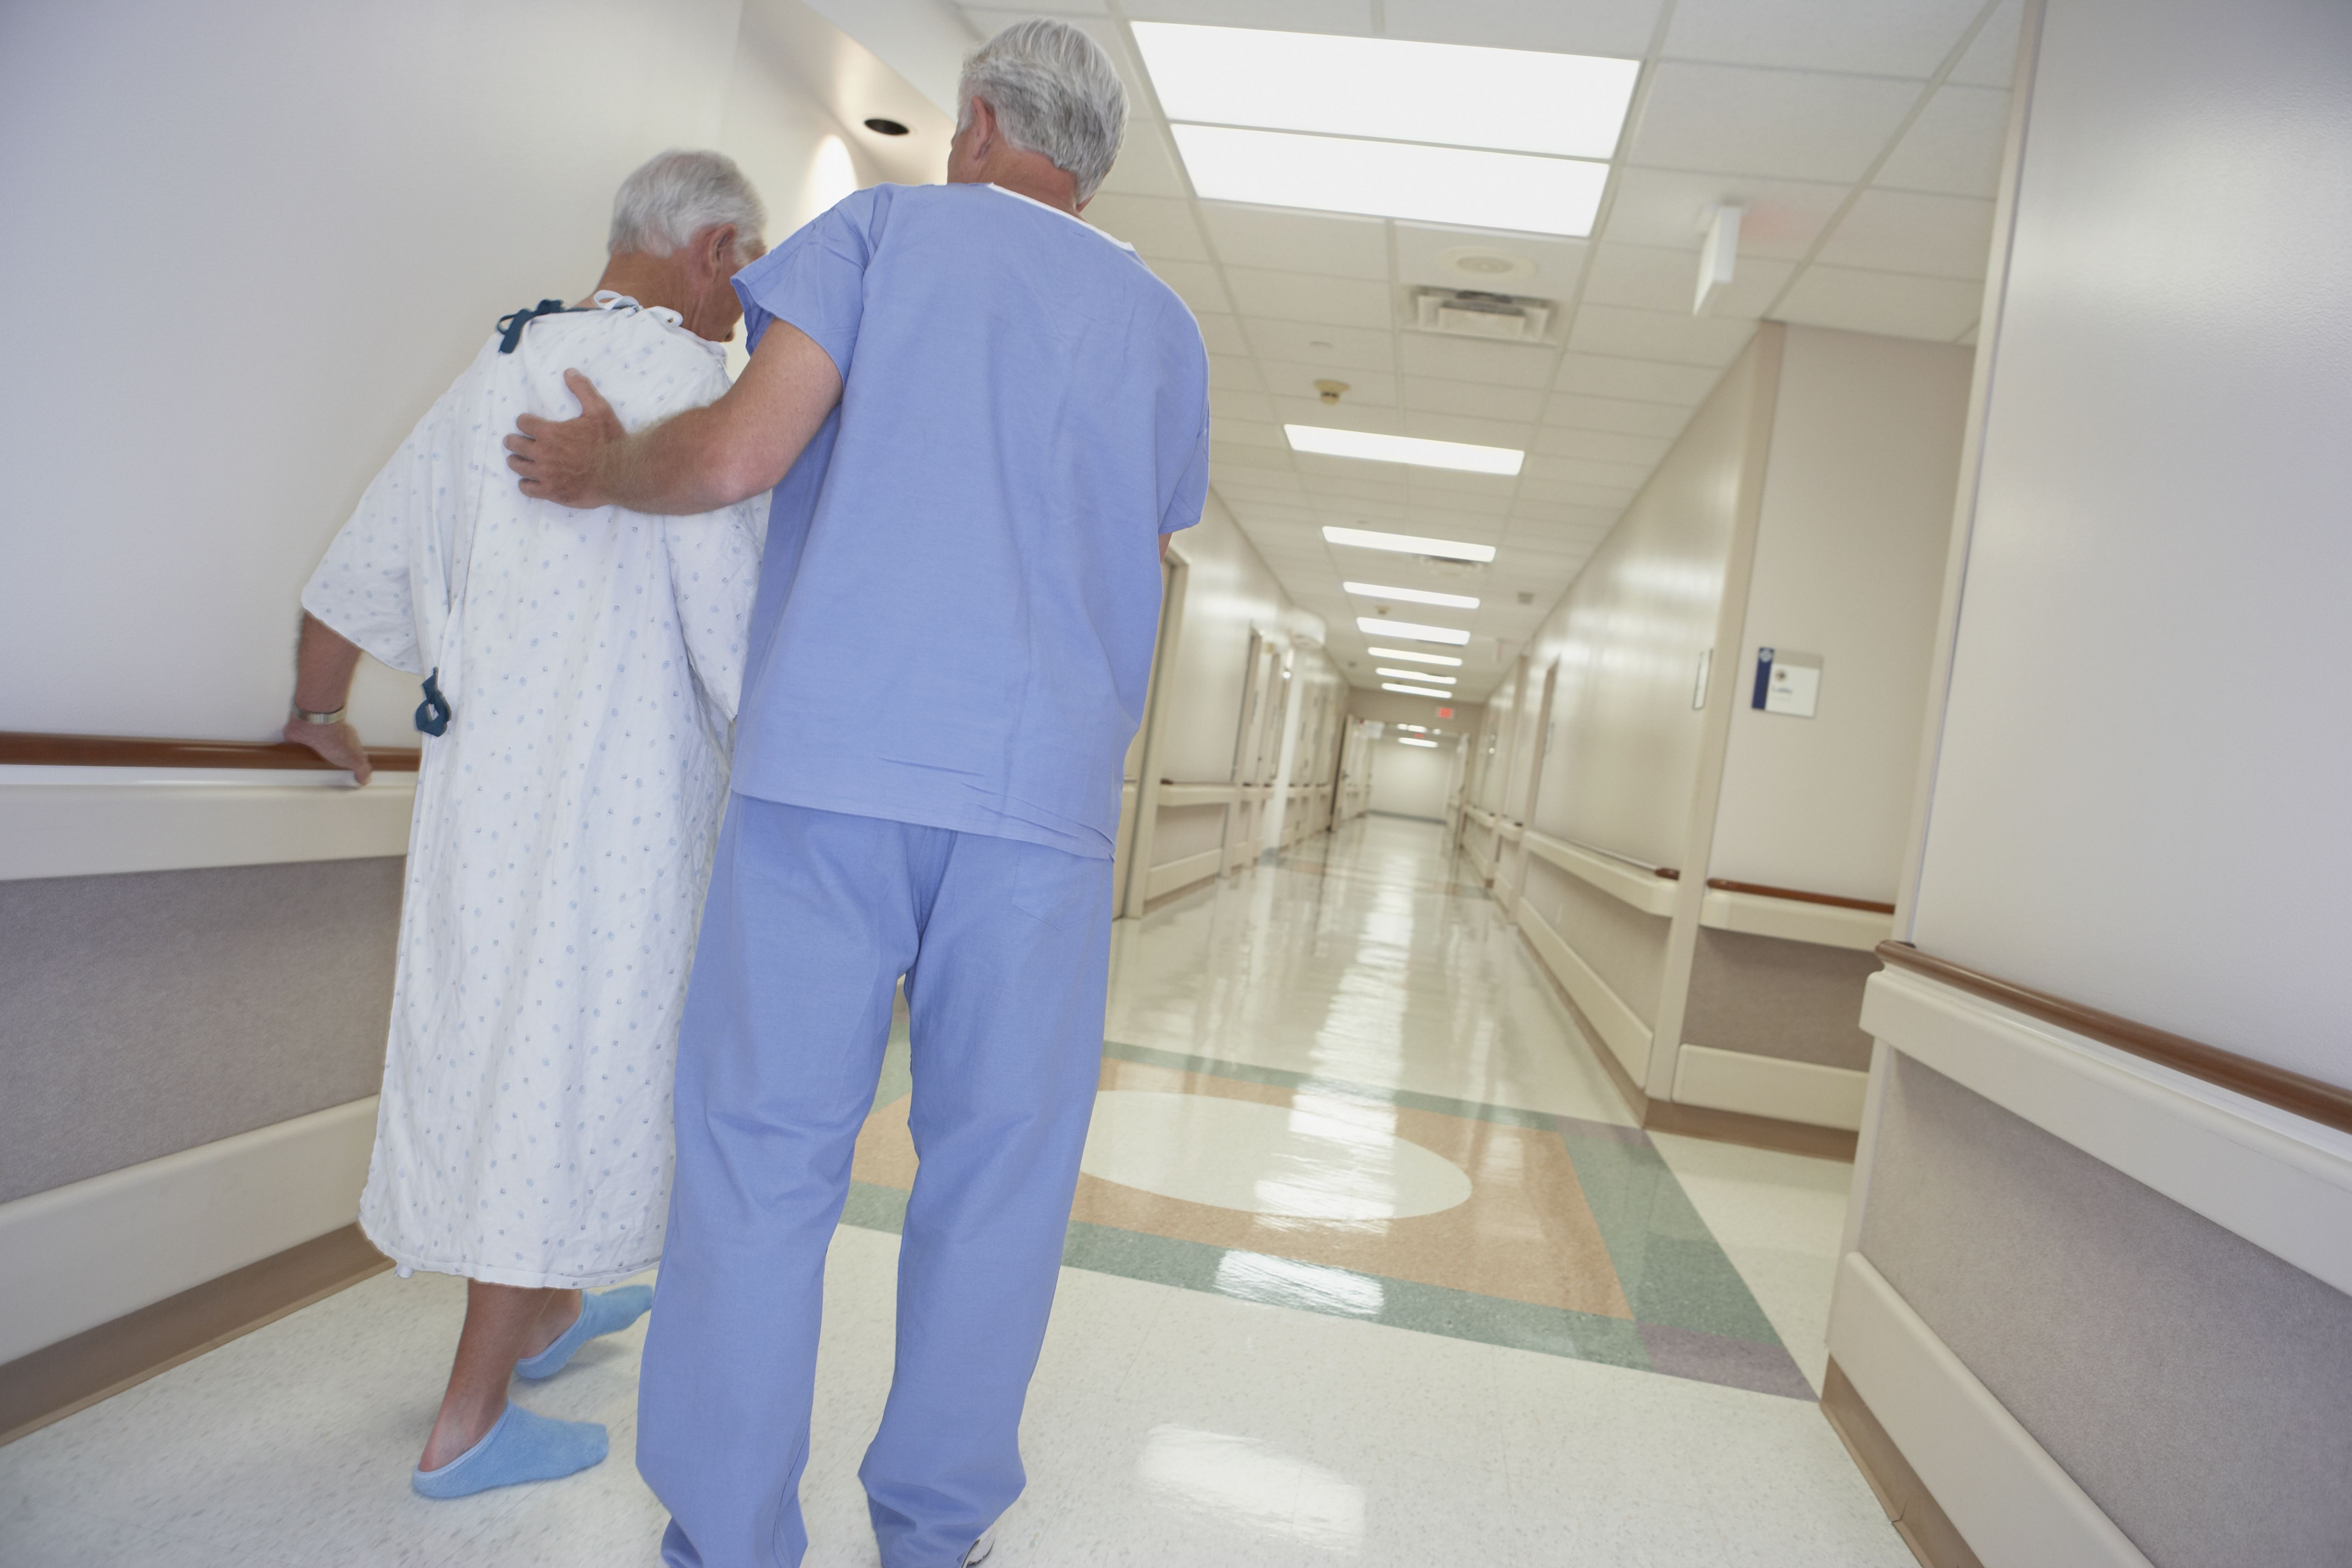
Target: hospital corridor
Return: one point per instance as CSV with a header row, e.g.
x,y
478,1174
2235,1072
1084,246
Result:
x,y
1237,783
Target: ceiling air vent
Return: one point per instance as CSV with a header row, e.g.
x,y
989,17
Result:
x,y
1474,313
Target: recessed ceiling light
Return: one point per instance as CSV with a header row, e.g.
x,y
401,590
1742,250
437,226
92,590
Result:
x,y
1456,185
1408,740
1412,595
1409,543
1414,675
1415,691
881,126
1416,657
1374,448
1523,100
1380,626
1416,729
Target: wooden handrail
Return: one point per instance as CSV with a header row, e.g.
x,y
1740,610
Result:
x,y
1798,895
23,746
2292,1091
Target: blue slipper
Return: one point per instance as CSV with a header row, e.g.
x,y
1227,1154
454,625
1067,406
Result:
x,y
607,1313
520,1447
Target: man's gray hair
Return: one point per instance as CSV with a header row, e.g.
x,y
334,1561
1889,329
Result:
x,y
1054,92
678,195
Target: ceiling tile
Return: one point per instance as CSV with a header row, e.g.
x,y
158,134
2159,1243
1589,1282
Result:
x,y
1658,419
1147,165
1482,399
1157,226
1650,278
1282,15
1289,241
1680,338
1588,471
1991,60
1463,359
1954,148
1897,304
1620,28
1335,349
1870,35
1511,435
1787,124
1602,444
1901,231
1229,404
1234,374
1196,283
1422,253
1670,209
1221,333
1226,457
1310,297
1377,388
1643,381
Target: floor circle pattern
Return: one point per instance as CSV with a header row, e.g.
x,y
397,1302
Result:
x,y
1297,1161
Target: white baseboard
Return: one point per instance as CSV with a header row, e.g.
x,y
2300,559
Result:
x,y
1771,1086
79,822
1622,1029
86,1254
1170,875
2002,1489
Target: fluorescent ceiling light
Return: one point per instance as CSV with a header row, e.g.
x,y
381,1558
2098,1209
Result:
x,y
1377,449
1454,185
1416,729
1409,544
1409,741
1522,100
1415,675
1412,595
1416,658
1415,691
1410,631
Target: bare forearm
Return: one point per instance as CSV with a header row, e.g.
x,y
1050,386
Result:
x,y
676,469
324,663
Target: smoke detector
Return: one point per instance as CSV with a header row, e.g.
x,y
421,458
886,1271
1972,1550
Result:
x,y
1476,313
1329,391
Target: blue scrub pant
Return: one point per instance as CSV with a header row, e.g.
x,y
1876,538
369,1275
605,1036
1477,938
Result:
x,y
812,917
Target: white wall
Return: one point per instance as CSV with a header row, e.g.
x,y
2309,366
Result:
x,y
1229,594
1627,637
1849,565
1411,781
252,242
2140,800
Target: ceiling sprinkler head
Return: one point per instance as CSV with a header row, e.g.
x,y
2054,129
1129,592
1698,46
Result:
x,y
1329,391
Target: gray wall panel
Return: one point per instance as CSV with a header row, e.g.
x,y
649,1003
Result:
x,y
146,1013
2197,1388
1797,1001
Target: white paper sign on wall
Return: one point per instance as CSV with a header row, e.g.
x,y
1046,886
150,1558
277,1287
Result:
x,y
1786,682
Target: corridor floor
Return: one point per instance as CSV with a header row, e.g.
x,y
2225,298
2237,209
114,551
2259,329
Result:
x,y
1369,1266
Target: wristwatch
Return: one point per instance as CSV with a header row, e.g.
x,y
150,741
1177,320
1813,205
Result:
x,y
310,718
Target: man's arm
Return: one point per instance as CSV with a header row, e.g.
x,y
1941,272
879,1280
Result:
x,y
324,662
697,461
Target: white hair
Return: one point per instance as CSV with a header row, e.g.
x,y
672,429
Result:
x,y
678,195
1054,92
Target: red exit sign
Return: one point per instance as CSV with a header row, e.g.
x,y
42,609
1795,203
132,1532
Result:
x,y
1445,712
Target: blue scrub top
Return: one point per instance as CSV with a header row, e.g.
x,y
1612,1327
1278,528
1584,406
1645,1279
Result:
x,y
961,586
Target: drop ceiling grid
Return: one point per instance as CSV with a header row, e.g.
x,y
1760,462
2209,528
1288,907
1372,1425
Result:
x,y
1864,136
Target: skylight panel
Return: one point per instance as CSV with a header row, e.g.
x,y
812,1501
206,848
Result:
x,y
1409,543
1372,446
1459,186
1517,100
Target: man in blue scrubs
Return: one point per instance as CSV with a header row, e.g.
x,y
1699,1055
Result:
x,y
979,416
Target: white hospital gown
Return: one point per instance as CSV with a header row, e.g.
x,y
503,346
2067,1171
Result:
x,y
565,821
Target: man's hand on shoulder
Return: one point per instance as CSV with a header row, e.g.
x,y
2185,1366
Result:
x,y
564,461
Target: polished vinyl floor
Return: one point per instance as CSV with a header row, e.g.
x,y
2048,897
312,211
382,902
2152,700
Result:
x,y
1368,1266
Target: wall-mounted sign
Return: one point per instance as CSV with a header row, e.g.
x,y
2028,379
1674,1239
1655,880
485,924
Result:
x,y
1445,712
1786,682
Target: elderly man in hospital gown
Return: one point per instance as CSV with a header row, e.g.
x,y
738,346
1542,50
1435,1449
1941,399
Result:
x,y
579,682
982,417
